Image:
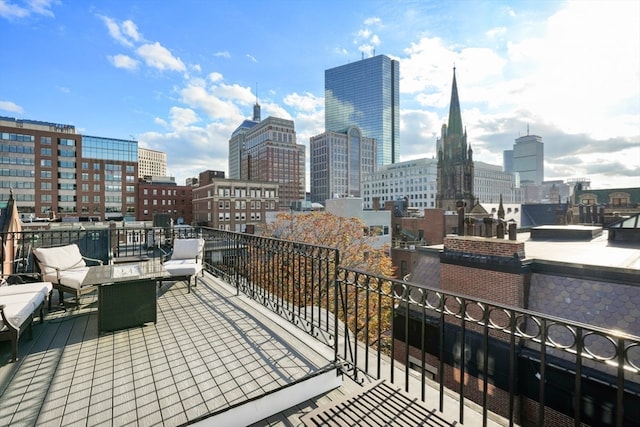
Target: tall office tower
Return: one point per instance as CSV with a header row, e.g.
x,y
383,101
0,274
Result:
x,y
237,143
151,163
366,94
271,154
55,172
339,162
528,159
455,160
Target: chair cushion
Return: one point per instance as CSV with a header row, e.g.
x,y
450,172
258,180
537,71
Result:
x,y
187,248
26,288
62,257
182,267
19,307
74,277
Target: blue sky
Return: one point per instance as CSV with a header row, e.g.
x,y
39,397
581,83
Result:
x,y
180,76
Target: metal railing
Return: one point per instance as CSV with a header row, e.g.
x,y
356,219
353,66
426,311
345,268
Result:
x,y
528,367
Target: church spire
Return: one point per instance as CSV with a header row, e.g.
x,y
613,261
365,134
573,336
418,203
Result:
x,y
455,117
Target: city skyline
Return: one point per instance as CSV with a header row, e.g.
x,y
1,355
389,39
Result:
x,y
567,70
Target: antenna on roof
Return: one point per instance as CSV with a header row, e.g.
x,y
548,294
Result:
x,y
527,129
256,93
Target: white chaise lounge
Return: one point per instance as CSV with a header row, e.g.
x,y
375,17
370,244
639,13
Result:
x,y
19,304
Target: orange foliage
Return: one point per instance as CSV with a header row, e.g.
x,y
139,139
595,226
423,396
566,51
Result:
x,y
364,304
345,234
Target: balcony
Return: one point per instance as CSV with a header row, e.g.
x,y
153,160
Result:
x,y
276,330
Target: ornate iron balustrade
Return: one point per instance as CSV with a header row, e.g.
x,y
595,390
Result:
x,y
461,339
16,258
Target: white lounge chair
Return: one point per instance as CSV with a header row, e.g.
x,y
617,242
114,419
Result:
x,y
185,260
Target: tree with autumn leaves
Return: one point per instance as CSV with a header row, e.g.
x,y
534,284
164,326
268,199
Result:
x,y
364,304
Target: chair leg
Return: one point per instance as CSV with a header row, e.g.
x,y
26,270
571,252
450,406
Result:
x,y
14,347
188,285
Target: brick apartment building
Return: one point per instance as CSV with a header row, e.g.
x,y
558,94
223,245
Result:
x,y
55,172
232,204
162,195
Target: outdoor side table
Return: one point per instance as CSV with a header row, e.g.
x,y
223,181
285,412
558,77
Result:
x,y
126,293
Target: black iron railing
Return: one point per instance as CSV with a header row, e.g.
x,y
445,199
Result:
x,y
530,368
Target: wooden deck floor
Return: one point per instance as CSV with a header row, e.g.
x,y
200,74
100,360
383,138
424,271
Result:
x,y
208,351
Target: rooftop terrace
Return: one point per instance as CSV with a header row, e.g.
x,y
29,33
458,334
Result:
x,y
213,358
249,346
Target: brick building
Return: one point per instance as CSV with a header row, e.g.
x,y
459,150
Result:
x,y
162,195
55,172
576,280
232,204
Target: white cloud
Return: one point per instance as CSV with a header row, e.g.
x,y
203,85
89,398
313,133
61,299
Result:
x,y
197,97
38,7
366,40
306,102
215,77
372,21
42,7
182,117
498,31
157,56
251,57
579,71
364,33
116,32
123,61
11,106
130,29
223,54
239,94
10,11
162,122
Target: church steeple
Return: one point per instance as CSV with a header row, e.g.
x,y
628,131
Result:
x,y
455,160
455,117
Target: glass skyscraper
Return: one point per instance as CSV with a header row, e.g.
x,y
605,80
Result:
x,y
366,94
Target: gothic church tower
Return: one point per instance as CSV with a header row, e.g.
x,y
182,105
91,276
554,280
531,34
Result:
x,y
455,160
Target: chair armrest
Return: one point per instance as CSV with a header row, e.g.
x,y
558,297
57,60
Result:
x,y
165,255
99,261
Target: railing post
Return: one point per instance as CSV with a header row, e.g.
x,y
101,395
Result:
x,y
336,263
